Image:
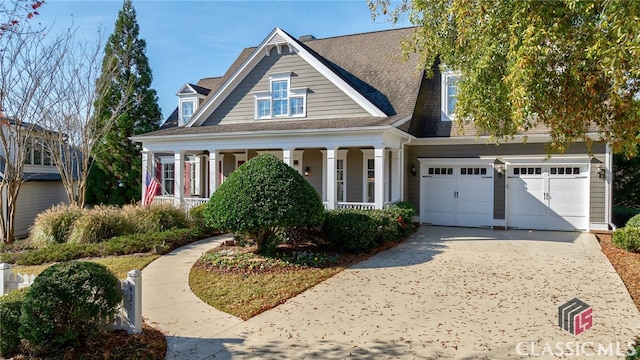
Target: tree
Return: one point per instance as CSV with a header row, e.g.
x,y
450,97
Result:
x,y
569,65
262,195
27,60
76,130
118,180
13,12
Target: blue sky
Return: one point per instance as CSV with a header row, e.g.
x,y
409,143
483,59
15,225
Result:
x,y
189,40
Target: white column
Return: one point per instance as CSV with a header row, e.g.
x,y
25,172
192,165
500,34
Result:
x,y
5,274
286,156
178,177
330,178
213,171
146,159
396,170
134,307
378,154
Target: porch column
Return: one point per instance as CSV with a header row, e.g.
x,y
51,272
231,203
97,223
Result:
x,y
178,176
213,171
378,154
147,158
396,170
330,179
286,156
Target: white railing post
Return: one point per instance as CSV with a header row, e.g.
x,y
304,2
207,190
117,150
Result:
x,y
5,273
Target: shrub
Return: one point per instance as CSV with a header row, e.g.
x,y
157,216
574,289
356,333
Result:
x,y
54,225
627,238
154,218
350,230
197,217
261,195
68,303
10,309
98,224
634,221
621,215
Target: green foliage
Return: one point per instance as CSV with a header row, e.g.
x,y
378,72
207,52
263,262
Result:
x,y
155,218
627,238
99,224
360,230
634,221
10,310
622,214
120,245
54,225
68,303
197,217
262,195
115,175
568,65
635,354
626,181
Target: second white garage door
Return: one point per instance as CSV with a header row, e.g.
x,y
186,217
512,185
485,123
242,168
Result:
x,y
457,195
552,197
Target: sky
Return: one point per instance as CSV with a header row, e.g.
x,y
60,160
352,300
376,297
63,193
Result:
x,y
190,40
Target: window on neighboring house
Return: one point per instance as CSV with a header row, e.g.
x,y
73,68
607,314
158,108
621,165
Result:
x,y
187,111
449,94
340,180
371,181
168,179
28,153
37,153
281,101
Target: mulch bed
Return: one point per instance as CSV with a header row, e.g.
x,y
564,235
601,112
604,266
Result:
x,y
627,265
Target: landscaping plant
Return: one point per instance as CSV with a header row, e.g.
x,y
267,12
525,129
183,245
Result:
x,y
10,309
68,303
627,238
260,196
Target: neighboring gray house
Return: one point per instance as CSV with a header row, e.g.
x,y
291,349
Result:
x,y
367,129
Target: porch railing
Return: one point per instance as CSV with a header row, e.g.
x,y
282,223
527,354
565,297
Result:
x,y
355,205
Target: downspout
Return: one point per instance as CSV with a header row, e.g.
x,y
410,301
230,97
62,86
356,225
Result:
x,y
403,142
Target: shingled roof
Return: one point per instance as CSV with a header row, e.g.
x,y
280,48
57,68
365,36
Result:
x,y
203,87
369,62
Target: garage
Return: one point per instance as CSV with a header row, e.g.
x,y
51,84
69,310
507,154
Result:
x,y
548,197
456,194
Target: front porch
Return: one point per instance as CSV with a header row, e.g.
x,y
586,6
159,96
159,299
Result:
x,y
344,177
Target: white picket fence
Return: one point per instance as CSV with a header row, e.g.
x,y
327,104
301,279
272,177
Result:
x,y
129,316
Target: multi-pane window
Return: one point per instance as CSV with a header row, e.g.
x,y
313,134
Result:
x,y
168,178
296,105
340,180
264,108
193,175
371,180
281,100
280,96
452,94
187,111
37,153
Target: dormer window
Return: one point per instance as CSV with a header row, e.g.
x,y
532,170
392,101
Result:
x,y
186,110
449,95
281,101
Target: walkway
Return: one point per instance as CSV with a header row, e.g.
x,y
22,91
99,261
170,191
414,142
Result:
x,y
445,292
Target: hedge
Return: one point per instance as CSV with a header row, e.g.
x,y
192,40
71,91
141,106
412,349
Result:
x,y
627,238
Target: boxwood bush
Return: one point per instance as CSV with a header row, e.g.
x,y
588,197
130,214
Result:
x,y
67,303
10,310
54,225
627,238
634,221
262,195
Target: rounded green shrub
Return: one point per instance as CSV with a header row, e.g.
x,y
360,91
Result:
x,y
627,238
54,225
634,221
155,218
261,195
350,230
10,309
67,303
197,217
99,224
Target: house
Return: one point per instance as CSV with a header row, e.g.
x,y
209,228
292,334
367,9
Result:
x,y
366,129
41,185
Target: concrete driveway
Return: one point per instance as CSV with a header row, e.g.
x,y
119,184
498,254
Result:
x,y
444,293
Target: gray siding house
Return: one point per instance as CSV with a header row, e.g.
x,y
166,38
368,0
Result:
x,y
367,129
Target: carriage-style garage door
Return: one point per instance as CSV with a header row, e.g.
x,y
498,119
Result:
x,y
551,197
456,195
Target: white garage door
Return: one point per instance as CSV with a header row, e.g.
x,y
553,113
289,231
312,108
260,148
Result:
x,y
457,195
551,197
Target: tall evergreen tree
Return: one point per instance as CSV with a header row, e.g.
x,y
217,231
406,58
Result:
x,y
115,177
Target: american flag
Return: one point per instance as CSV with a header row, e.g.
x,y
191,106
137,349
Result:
x,y
152,188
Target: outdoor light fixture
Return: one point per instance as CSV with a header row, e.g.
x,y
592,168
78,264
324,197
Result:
x,y
306,171
500,169
601,171
413,170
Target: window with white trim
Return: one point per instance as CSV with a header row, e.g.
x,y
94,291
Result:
x,y
186,110
281,101
449,94
168,178
341,180
37,153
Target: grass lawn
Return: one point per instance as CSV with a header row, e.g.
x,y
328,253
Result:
x,y
120,265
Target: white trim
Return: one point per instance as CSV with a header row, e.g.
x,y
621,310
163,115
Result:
x,y
537,160
608,201
455,162
446,78
247,66
193,101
